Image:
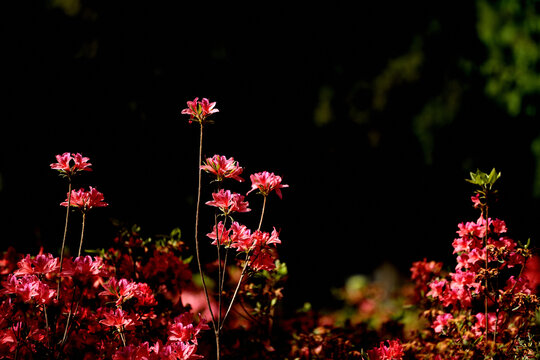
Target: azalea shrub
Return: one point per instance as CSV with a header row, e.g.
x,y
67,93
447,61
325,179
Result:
x,y
151,297
487,305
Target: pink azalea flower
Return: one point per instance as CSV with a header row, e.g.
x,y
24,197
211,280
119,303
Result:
x,y
191,109
263,258
263,239
476,255
184,330
441,322
133,352
222,234
29,288
471,229
84,267
223,168
176,350
460,245
121,289
424,270
229,202
85,200
480,326
199,110
499,226
40,265
436,287
476,201
265,182
394,351
65,167
117,318
208,108
240,237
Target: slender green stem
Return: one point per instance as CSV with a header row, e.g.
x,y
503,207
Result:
x,y
82,232
122,336
236,290
220,268
224,267
197,252
64,239
262,213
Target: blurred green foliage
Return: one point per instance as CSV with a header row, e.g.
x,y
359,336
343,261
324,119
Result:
x,y
463,61
70,7
509,29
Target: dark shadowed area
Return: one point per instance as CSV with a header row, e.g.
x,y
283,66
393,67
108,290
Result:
x,y
373,115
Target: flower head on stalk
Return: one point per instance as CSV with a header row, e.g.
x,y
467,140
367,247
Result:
x,y
223,168
199,110
229,202
86,200
68,165
265,182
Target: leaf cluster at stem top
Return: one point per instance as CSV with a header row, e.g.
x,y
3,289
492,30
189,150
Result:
x,y
485,182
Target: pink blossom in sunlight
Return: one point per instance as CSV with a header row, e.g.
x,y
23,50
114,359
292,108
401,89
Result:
x,y
229,202
117,318
263,258
40,265
476,201
223,168
240,237
265,182
199,110
85,200
207,107
84,267
436,288
222,234
64,166
441,322
183,328
480,325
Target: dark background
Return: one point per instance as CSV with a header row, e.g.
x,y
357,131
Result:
x,y
373,114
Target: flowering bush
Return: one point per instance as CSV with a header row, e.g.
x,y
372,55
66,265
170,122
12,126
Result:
x,y
151,298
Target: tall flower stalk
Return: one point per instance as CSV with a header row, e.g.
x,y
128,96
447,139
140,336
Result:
x,y
253,248
67,166
199,111
484,194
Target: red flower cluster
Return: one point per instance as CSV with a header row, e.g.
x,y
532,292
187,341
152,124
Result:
x,y
265,182
199,110
223,168
256,244
394,351
69,165
85,200
229,202
97,315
